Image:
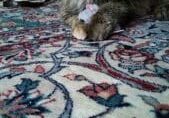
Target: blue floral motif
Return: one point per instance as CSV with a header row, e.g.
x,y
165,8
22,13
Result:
x,y
77,54
162,72
27,85
22,105
165,58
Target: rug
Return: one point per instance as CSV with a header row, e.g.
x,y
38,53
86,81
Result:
x,y
46,73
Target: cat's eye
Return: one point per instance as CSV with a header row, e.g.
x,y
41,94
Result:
x,y
82,21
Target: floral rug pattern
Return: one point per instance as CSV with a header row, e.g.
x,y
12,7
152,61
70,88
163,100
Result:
x,y
46,73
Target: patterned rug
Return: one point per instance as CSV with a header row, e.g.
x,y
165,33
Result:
x,y
46,73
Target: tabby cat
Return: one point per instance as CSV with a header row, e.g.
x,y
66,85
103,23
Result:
x,y
111,13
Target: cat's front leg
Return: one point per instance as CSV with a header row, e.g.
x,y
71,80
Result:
x,y
100,27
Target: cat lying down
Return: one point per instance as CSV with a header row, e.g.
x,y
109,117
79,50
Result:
x,y
95,20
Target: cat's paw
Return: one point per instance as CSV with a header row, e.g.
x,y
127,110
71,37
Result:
x,y
79,32
79,28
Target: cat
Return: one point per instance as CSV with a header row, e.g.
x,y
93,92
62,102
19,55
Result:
x,y
111,13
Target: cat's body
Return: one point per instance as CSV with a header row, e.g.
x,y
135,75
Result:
x,y
111,14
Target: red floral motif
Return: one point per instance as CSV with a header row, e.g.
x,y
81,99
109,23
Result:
x,y
39,69
18,69
71,76
167,51
133,55
8,94
103,90
122,38
75,77
162,107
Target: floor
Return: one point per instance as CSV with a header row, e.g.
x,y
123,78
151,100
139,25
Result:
x,y
46,73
